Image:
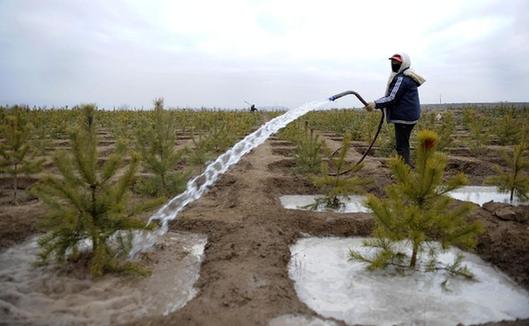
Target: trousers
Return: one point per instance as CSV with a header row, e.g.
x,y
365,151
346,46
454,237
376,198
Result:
x,y
402,140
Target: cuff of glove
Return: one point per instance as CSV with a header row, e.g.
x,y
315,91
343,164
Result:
x,y
370,106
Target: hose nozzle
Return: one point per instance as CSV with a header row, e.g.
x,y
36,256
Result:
x,y
342,94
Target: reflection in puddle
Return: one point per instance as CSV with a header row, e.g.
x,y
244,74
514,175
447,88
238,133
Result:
x,y
352,204
482,194
45,296
335,287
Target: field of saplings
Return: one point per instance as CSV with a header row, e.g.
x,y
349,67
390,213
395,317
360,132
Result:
x,y
71,175
163,148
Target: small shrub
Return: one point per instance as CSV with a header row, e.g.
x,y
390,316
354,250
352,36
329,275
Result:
x,y
336,184
17,156
508,128
308,152
515,179
417,210
156,143
88,202
387,141
476,125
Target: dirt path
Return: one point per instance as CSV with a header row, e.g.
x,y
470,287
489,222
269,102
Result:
x,y
244,278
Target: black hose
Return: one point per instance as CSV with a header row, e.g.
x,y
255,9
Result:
x,y
382,116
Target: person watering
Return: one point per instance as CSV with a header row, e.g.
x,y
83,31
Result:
x,y
401,102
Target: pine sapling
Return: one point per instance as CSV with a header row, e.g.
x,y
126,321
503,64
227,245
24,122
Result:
x,y
90,203
476,125
418,211
156,143
515,179
446,130
202,149
369,126
336,184
17,156
508,128
308,151
387,141
220,136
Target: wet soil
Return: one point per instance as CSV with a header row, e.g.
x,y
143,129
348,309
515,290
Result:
x,y
244,277
475,169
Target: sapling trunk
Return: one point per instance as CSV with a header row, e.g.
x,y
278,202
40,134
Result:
x,y
15,184
415,250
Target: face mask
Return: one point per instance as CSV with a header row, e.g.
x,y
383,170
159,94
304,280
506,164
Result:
x,y
395,66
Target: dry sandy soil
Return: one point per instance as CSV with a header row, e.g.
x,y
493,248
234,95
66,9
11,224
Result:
x,y
244,276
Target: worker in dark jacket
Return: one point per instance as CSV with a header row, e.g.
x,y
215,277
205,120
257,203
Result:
x,y
401,102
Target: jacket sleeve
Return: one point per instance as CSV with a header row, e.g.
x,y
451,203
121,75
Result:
x,y
396,92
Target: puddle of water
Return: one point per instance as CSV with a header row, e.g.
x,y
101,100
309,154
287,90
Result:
x,y
299,320
44,296
335,287
482,194
352,204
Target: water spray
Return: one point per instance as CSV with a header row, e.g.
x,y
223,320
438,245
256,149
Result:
x,y
197,186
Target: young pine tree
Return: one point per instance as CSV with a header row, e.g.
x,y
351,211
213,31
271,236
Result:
x,y
386,140
308,151
446,130
17,157
336,184
417,210
515,179
156,143
477,126
508,127
202,151
221,136
88,202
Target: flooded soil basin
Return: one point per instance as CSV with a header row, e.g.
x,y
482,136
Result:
x,y
333,286
45,295
483,194
351,204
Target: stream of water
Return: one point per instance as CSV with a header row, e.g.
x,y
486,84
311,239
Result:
x,y
197,186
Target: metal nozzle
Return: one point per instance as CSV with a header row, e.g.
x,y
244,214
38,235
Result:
x,y
337,96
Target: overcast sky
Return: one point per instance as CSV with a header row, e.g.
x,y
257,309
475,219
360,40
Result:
x,y
279,52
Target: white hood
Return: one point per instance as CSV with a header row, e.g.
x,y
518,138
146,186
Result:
x,y
405,66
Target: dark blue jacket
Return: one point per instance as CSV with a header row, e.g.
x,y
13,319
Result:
x,y
401,101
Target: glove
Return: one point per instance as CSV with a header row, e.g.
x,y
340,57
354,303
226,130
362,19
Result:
x,y
370,106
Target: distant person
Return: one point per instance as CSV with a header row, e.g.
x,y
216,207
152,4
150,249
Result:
x,y
252,108
401,102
